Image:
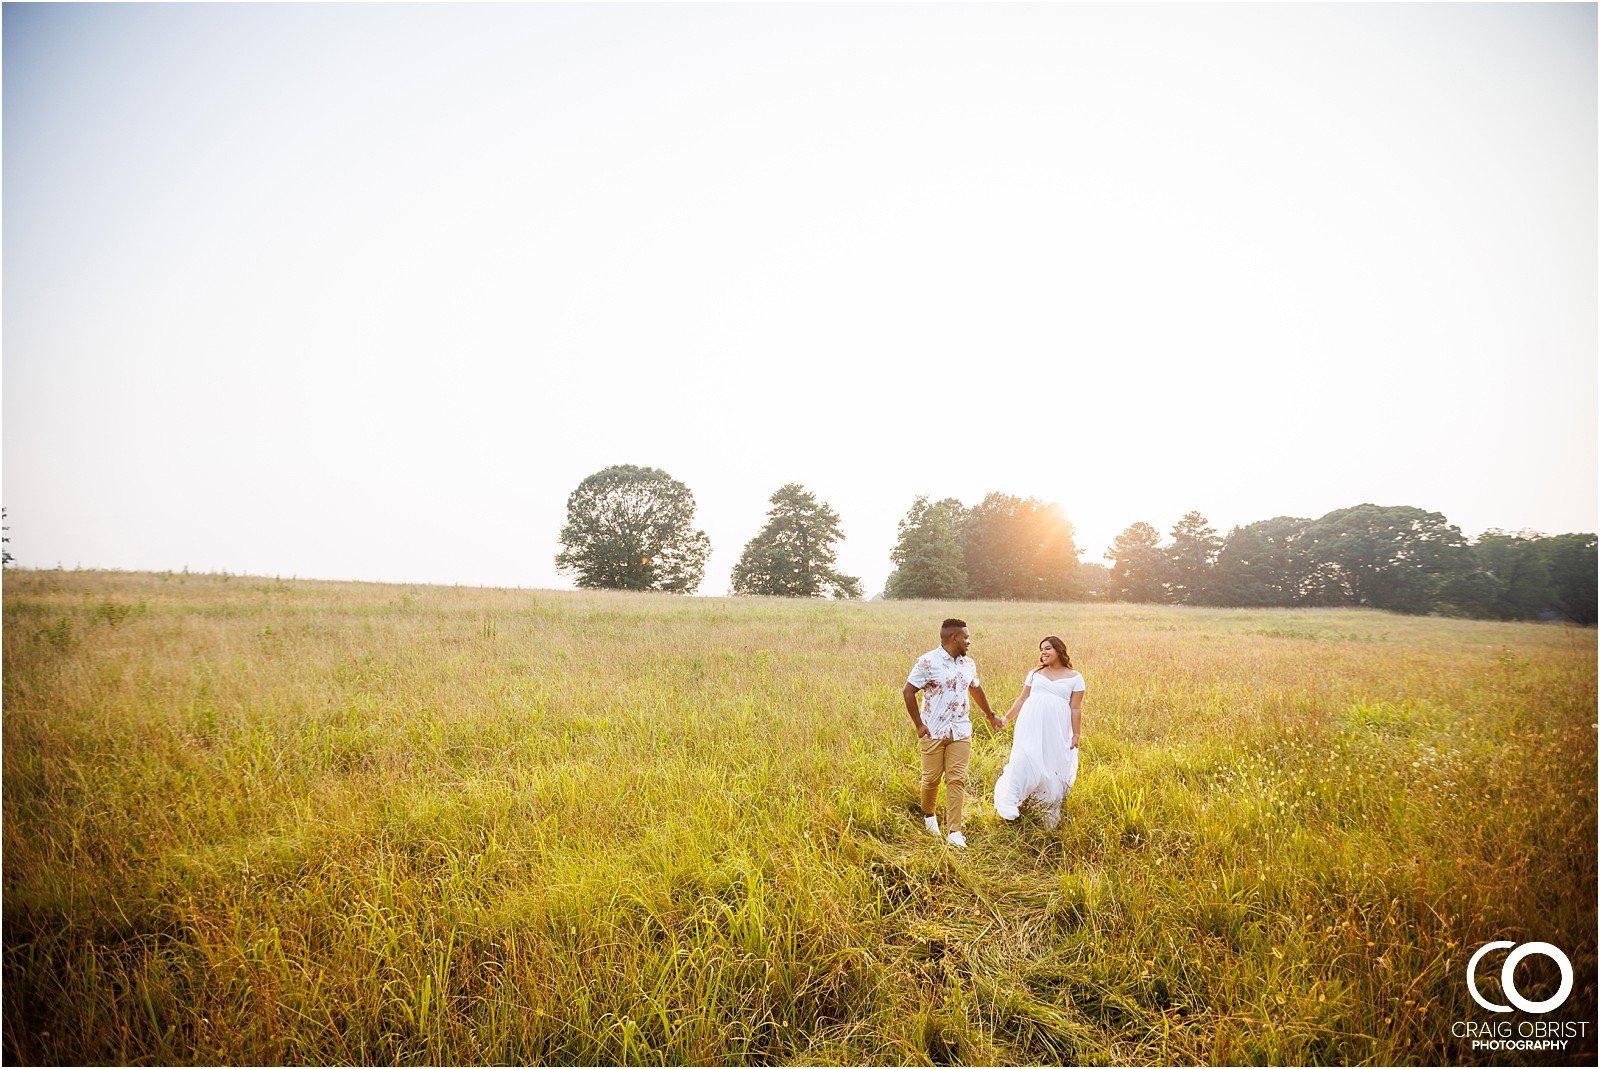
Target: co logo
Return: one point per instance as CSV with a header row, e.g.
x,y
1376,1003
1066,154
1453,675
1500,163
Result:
x,y
1508,976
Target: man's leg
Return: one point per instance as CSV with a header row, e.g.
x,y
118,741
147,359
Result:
x,y
932,769
955,782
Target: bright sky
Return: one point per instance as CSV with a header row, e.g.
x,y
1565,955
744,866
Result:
x,y
364,291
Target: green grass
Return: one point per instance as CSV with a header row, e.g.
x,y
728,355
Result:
x,y
262,821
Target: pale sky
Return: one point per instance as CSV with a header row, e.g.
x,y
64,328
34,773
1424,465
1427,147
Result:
x,y
363,292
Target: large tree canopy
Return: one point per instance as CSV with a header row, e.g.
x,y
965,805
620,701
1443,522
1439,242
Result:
x,y
1096,578
1572,559
1517,571
1260,563
1138,565
1020,549
1387,557
793,555
632,528
927,555
1193,550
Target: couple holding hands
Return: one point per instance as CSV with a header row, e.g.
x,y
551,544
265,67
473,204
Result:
x,y
1044,750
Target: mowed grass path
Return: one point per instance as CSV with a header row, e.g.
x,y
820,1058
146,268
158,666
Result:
x,y
251,820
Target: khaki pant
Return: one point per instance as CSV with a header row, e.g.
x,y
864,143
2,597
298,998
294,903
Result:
x,y
942,757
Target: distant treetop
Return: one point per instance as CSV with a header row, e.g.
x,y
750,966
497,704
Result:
x,y
632,528
793,554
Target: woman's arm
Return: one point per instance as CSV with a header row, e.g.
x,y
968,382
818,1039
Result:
x,y
1012,712
1077,716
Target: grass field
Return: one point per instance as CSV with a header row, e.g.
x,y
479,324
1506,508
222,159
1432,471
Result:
x,y
252,820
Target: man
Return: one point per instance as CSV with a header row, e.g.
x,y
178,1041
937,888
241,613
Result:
x,y
944,675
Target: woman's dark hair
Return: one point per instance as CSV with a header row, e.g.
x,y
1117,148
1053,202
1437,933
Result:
x,y
1060,647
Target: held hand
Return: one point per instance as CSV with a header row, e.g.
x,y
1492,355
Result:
x,y
996,723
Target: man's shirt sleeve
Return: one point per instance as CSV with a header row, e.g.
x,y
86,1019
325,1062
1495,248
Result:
x,y
919,676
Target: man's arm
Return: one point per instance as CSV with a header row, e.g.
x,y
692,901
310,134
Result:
x,y
983,703
909,692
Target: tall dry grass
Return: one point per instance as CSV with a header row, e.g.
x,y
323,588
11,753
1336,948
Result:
x,y
249,820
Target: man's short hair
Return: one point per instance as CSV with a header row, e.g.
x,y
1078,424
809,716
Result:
x,y
950,627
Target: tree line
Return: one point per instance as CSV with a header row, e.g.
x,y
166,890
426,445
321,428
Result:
x,y
1393,557
631,528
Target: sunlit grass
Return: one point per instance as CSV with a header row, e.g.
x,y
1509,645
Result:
x,y
250,820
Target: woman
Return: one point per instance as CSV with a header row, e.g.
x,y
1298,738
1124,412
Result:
x,y
1044,752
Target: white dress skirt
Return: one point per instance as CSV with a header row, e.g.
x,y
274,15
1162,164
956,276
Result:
x,y
1043,764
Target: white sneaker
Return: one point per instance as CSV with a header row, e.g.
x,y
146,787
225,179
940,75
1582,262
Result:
x,y
932,824
958,840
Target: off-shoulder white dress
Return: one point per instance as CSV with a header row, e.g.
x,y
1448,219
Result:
x,y
1043,764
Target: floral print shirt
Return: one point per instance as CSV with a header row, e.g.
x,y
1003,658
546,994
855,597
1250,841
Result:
x,y
944,681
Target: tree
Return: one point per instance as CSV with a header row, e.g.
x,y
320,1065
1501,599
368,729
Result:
x,y
632,528
1261,564
1138,566
1516,568
927,556
1096,578
793,555
5,540
1020,549
1472,592
1571,559
1193,551
1387,557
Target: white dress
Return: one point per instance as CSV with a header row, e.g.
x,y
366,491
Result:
x,y
1043,763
